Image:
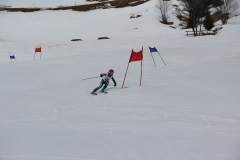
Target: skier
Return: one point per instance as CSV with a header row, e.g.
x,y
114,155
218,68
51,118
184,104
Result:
x,y
105,81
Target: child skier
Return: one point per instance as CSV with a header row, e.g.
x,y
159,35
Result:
x,y
105,81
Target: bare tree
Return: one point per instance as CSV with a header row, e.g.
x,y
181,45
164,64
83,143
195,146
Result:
x,y
164,7
192,12
228,9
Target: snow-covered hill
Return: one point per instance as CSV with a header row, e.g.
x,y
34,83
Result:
x,y
42,3
188,109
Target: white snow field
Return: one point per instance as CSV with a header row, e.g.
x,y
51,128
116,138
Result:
x,y
41,3
186,110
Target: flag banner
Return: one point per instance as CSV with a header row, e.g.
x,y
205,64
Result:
x,y
136,56
12,57
153,49
38,49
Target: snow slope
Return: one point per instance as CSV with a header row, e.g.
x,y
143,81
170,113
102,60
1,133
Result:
x,y
188,109
41,3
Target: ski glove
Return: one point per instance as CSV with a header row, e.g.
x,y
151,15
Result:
x,y
102,74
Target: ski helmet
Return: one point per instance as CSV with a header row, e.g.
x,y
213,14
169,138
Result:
x,y
111,70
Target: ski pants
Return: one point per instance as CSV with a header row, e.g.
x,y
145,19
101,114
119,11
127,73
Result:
x,y
105,83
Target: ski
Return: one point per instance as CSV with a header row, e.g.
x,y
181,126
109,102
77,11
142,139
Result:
x,y
103,92
99,92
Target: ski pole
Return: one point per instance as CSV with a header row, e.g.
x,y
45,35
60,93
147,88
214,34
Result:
x,y
90,78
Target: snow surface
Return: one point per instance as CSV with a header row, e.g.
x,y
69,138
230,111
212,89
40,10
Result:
x,y
186,110
41,3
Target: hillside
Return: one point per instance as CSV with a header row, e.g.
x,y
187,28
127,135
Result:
x,y
188,109
80,5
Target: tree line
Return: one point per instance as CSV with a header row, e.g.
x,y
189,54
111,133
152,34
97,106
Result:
x,y
198,13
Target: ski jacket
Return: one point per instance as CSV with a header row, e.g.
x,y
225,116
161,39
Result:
x,y
105,77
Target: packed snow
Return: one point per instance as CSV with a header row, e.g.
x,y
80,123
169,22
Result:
x,y
186,110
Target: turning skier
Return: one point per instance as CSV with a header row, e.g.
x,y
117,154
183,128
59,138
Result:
x,y
105,81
